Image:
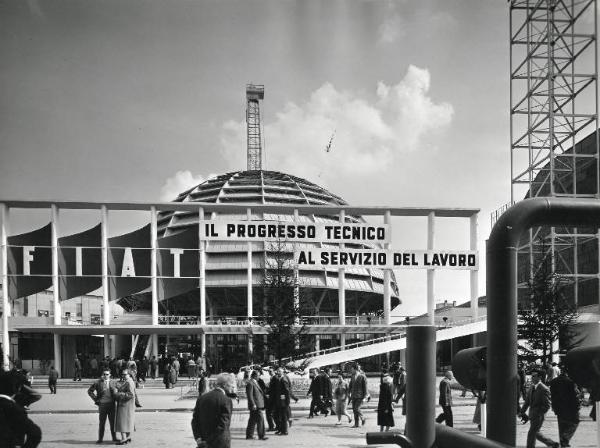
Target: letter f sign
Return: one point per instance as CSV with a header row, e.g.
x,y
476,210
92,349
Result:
x,y
27,259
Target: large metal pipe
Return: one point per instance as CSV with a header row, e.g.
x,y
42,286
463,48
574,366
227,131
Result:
x,y
388,438
447,437
420,385
501,286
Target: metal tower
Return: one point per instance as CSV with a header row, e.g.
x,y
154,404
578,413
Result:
x,y
254,93
554,127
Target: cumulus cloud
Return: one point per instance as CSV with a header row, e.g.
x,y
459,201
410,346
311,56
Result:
x,y
368,135
179,182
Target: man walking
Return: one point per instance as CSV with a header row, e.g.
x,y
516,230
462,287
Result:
x,y
101,392
212,414
538,402
358,392
77,367
256,405
445,400
52,379
565,404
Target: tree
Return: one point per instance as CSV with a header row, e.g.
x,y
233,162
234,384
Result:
x,y
547,316
282,308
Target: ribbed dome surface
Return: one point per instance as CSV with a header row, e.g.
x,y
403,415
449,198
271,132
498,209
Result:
x,y
248,187
262,187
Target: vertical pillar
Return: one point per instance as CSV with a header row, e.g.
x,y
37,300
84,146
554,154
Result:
x,y
5,306
342,281
249,291
430,272
342,290
474,275
154,345
55,285
153,271
202,265
108,350
420,393
317,343
153,340
387,279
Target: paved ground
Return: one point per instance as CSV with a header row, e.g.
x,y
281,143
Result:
x,y
69,418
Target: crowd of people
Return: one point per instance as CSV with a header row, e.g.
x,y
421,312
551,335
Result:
x,y
269,393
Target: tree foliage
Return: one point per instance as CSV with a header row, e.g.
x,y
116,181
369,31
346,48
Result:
x,y
547,316
282,308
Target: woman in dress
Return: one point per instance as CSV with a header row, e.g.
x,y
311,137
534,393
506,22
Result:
x,y
340,393
125,416
385,407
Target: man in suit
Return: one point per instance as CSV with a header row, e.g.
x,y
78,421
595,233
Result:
x,y
565,404
212,414
256,405
100,392
279,389
445,400
538,402
358,393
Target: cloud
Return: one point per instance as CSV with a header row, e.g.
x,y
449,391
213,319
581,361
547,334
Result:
x,y
180,182
369,135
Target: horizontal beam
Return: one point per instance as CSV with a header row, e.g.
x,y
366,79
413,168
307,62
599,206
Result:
x,y
243,208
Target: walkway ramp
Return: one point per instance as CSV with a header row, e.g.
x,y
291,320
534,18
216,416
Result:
x,y
389,344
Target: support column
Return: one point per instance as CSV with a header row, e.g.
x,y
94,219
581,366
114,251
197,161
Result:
x,y
153,271
153,340
342,282
474,276
421,388
317,343
55,285
387,279
108,347
249,304
202,265
342,291
430,272
5,298
154,345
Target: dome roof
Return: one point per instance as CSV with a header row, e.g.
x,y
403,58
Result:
x,y
260,187
247,187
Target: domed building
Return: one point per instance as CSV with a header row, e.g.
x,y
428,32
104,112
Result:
x,y
226,267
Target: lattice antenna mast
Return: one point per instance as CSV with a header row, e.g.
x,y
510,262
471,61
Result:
x,y
553,106
254,93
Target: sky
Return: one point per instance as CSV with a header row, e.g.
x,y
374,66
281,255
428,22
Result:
x,y
137,100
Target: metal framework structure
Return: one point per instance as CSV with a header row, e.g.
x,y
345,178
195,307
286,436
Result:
x,y
202,210
254,93
554,126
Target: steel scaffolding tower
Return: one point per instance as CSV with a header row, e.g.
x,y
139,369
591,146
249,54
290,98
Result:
x,y
553,129
254,93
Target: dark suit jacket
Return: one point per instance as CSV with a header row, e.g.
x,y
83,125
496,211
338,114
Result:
x,y
565,398
255,395
445,393
280,392
97,390
358,386
537,400
211,419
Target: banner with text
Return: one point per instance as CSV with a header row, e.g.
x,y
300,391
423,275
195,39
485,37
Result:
x,y
387,259
294,231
